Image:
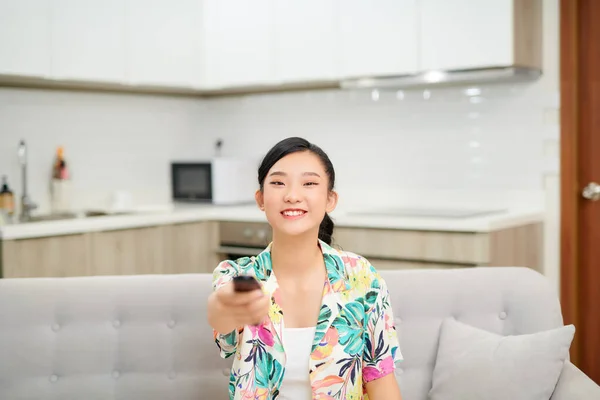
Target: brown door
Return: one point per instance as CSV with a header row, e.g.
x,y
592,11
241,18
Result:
x,y
580,178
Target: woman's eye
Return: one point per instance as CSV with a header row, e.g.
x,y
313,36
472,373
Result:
x,y
311,183
276,183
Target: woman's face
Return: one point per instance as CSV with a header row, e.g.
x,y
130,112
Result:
x,y
295,194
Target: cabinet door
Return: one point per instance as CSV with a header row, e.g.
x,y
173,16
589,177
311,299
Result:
x,y
88,40
24,40
422,246
377,37
128,252
54,256
164,42
238,43
384,264
305,33
463,34
191,247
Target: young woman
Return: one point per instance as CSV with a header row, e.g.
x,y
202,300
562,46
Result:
x,y
321,326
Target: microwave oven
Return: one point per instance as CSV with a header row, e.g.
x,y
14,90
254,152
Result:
x,y
222,181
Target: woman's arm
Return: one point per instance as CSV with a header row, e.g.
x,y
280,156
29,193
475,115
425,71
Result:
x,y
382,347
384,388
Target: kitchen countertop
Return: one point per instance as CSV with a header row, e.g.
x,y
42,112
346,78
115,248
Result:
x,y
251,213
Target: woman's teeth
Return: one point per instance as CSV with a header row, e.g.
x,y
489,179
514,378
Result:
x,y
293,213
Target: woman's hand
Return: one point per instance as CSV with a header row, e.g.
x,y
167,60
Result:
x,y
228,309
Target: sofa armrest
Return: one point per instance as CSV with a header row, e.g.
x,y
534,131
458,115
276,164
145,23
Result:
x,y
574,384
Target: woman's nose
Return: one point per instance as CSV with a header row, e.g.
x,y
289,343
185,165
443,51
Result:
x,y
291,196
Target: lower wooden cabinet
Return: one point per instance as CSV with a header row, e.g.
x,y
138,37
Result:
x,y
408,249
191,247
194,248
384,264
165,249
67,255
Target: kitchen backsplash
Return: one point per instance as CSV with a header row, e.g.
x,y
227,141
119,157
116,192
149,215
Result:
x,y
111,142
492,139
387,143
491,146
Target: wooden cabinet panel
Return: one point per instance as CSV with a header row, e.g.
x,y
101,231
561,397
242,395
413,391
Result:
x,y
191,247
448,247
113,253
128,252
178,248
520,246
56,256
384,264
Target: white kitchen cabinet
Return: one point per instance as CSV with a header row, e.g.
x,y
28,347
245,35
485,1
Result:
x,y
238,43
305,40
463,34
377,37
164,42
24,40
88,40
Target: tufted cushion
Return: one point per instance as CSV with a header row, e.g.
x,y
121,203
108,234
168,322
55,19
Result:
x,y
142,337
146,337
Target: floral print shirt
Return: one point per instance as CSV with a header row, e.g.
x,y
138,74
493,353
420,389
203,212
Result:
x,y
355,340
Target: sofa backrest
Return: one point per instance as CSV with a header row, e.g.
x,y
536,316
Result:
x,y
145,337
503,300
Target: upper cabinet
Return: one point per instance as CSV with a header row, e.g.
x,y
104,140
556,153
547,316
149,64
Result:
x,y
245,45
377,37
164,43
238,43
466,34
24,41
88,40
305,40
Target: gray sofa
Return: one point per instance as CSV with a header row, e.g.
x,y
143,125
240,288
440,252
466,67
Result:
x,y
146,337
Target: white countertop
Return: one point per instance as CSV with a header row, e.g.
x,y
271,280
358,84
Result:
x,y
251,213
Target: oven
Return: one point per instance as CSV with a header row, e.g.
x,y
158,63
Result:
x,y
238,239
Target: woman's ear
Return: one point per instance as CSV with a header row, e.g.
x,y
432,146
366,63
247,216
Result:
x,y
332,200
258,196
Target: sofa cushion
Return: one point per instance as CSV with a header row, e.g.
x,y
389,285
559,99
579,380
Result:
x,y
473,363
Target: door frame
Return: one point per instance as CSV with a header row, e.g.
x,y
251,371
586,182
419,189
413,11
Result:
x,y
579,138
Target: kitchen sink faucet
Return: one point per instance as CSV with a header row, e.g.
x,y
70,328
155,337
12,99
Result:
x,y
26,203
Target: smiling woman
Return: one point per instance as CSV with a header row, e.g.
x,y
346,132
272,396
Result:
x,y
326,327
297,172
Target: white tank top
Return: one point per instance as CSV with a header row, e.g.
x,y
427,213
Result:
x,y
297,343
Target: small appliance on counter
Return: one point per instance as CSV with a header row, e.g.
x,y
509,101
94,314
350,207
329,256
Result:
x,y
219,181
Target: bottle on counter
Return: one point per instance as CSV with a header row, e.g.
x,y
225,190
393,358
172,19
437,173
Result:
x,y
60,191
60,170
7,198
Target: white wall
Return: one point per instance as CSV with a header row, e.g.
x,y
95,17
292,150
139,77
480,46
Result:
x,y
439,147
111,141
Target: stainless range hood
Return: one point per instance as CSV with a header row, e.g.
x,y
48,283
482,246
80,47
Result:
x,y
445,78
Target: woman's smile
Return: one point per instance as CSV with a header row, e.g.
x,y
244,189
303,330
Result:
x,y
293,213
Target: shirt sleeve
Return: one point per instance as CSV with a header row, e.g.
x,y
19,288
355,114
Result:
x,y
227,343
382,348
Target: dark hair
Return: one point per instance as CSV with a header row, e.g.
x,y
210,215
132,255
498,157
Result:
x,y
293,145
